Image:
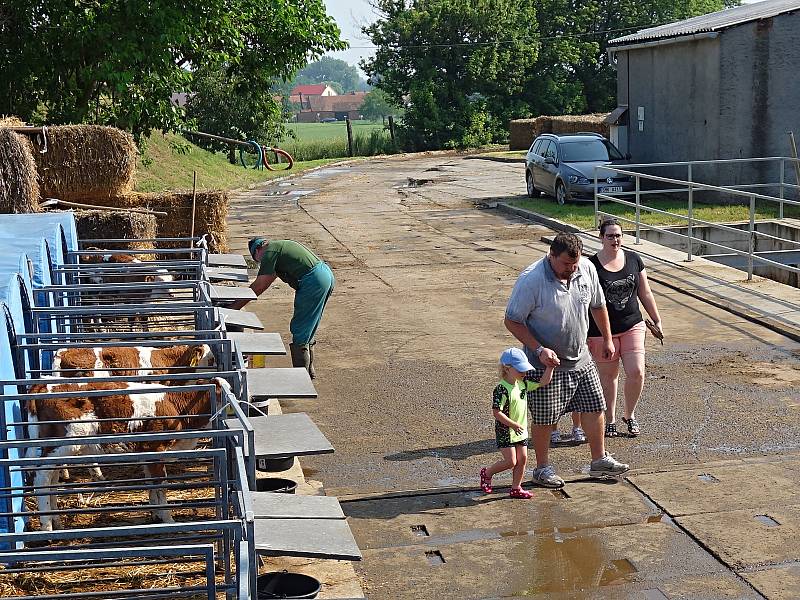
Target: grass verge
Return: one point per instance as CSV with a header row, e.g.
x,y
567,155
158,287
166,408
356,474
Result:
x,y
582,214
169,161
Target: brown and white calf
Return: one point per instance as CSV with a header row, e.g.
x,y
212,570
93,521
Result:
x,y
98,277
136,360
120,413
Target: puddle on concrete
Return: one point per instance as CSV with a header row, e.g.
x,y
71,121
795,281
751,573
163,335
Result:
x,y
560,564
708,478
767,520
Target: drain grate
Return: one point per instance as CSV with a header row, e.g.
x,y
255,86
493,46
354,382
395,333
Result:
x,y
708,478
420,530
767,520
434,557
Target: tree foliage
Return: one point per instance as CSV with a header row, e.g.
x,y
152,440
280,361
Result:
x,y
455,65
464,68
118,62
377,105
331,71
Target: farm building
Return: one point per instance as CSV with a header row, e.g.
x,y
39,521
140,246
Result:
x,y
716,86
332,107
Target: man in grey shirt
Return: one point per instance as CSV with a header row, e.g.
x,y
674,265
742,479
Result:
x,y
548,313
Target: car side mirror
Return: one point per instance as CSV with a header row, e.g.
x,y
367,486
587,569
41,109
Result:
x,y
549,160
627,156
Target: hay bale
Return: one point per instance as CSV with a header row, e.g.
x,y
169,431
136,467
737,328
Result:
x,y
524,131
19,188
211,211
86,163
521,134
105,224
11,121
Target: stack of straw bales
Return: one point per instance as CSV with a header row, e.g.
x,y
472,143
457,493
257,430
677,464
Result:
x,y
19,188
524,131
86,163
211,210
103,224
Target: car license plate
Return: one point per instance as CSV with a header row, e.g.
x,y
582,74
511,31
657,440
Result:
x,y
615,188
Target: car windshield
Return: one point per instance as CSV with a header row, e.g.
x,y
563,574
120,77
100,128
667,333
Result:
x,y
589,151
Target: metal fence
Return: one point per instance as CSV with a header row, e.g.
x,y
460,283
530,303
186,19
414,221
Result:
x,y
656,185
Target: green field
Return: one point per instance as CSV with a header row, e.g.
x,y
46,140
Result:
x,y
319,132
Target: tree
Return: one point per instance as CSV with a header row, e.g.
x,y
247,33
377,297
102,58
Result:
x,y
573,74
118,63
458,64
376,105
331,71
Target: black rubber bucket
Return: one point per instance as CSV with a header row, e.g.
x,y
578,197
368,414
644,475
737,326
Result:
x,y
258,409
282,584
276,484
279,463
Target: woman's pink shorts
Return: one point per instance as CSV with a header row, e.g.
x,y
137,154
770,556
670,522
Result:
x,y
627,342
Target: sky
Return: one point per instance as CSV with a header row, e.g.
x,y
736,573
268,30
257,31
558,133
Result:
x,y
351,15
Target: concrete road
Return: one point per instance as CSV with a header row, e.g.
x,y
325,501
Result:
x,y
406,361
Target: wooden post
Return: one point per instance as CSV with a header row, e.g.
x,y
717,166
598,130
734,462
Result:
x,y
194,202
349,136
391,129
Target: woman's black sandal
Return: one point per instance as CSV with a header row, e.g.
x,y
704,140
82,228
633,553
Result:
x,y
611,430
633,426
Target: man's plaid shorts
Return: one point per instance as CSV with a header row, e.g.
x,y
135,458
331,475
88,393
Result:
x,y
569,390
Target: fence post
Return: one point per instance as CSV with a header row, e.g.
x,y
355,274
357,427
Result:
x,y
783,181
349,136
751,245
638,210
391,130
689,217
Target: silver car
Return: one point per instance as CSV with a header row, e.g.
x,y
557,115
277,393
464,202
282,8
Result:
x,y
563,166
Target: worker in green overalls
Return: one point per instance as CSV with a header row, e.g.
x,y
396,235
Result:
x,y
310,277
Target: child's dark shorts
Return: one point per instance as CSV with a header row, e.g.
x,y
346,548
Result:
x,y
503,438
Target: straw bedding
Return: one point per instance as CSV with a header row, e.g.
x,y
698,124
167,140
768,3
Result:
x,y
524,131
19,188
86,162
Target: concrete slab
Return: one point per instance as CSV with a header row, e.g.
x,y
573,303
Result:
x,y
730,487
749,538
310,538
776,583
258,344
279,382
226,260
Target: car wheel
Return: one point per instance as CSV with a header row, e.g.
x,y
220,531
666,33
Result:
x,y
561,193
532,193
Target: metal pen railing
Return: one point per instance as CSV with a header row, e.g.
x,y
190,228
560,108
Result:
x,y
689,187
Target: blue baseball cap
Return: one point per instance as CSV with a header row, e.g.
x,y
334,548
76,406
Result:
x,y
516,359
254,244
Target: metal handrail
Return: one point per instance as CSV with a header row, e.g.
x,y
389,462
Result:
x,y
689,186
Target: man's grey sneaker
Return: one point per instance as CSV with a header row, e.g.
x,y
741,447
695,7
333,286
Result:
x,y
578,435
555,438
546,477
607,465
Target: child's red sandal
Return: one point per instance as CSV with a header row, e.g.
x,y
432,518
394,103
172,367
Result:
x,y
486,482
520,493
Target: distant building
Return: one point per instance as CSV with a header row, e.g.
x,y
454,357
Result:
x,y
722,85
302,94
332,107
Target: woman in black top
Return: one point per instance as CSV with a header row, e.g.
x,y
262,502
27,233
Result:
x,y
624,282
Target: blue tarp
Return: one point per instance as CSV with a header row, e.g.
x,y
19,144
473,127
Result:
x,y
15,304
44,221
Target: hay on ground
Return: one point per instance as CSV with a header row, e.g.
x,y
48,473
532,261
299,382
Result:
x,y
86,163
19,189
103,224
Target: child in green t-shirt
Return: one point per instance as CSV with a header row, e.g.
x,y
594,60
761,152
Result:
x,y
510,408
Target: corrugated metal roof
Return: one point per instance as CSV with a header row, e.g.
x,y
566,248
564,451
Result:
x,y
711,22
